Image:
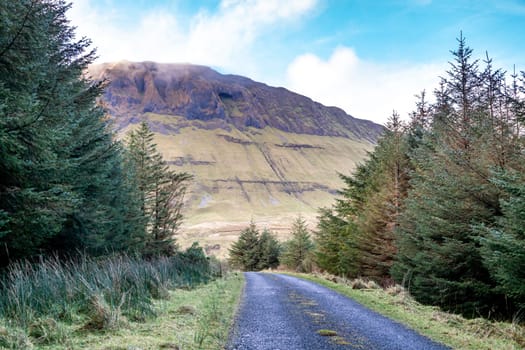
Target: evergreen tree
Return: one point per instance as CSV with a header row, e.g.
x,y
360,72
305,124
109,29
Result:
x,y
59,165
298,251
385,192
336,249
254,251
359,237
503,245
269,250
338,235
161,190
452,192
245,252
449,186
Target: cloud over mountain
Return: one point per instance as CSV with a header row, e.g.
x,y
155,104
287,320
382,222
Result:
x,y
365,88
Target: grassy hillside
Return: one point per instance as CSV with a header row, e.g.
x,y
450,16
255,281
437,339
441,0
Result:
x,y
256,151
267,175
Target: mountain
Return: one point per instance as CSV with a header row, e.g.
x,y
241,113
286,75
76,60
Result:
x,y
257,152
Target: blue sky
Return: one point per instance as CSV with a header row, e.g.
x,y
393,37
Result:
x,y
367,57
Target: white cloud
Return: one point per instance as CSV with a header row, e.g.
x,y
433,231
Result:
x,y
363,89
223,39
229,37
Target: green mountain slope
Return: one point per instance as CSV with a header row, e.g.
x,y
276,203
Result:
x,y
257,152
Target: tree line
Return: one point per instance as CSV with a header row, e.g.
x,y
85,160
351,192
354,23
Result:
x,y
439,205
66,182
254,251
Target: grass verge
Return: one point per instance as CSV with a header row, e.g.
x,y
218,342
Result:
x,y
449,329
189,319
199,318
61,304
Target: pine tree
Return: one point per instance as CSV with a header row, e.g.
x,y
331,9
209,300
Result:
x,y
161,190
245,252
336,249
338,235
29,179
360,234
298,251
386,189
503,245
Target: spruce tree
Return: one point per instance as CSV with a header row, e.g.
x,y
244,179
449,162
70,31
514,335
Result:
x,y
359,232
338,235
245,252
336,249
298,251
59,165
385,191
451,193
503,244
269,251
161,191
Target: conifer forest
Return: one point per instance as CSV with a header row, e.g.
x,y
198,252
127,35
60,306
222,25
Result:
x,y
438,206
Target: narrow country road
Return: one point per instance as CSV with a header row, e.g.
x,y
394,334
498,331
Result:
x,y
280,312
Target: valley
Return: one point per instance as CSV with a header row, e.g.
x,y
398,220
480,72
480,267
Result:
x,y
149,205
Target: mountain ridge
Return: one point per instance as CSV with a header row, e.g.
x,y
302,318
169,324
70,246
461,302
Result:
x,y
200,93
256,152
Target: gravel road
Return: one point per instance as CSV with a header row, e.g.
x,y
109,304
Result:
x,y
280,312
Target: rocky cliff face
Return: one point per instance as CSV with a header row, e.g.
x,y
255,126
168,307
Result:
x,y
200,93
256,152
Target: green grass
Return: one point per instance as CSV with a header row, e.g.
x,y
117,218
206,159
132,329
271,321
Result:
x,y
53,301
187,319
452,330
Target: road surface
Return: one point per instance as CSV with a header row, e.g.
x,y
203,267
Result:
x,y
280,312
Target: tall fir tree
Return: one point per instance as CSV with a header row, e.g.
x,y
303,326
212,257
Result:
x,y
449,189
361,233
59,164
386,189
452,192
161,191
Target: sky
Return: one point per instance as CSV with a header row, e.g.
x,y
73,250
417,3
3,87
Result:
x,y
368,57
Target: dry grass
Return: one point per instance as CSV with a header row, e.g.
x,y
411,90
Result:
x,y
235,182
51,302
327,333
